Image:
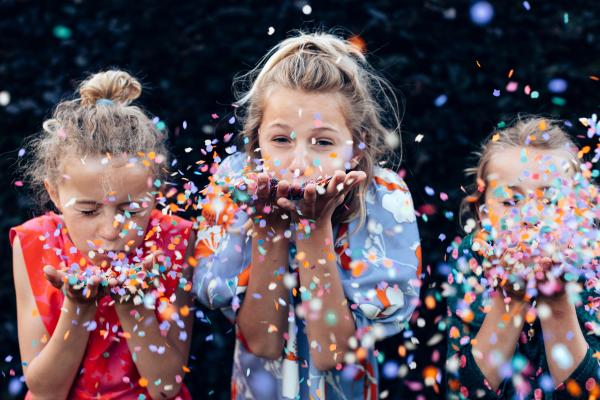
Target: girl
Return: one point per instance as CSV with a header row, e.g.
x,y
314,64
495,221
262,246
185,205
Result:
x,y
312,271
524,318
81,276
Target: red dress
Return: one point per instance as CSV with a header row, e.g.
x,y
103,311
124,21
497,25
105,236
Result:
x,y
107,370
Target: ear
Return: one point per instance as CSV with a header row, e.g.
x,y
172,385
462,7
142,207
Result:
x,y
53,193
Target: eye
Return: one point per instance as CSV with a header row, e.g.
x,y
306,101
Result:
x,y
513,201
89,213
281,139
128,213
324,142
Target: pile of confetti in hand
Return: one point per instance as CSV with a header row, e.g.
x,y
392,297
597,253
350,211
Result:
x,y
126,279
239,188
550,238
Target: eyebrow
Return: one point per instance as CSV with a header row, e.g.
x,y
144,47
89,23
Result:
x,y
323,127
520,189
95,203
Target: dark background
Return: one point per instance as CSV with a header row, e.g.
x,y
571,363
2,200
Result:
x,y
187,53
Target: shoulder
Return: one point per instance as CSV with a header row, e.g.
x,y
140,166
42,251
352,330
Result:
x,y
173,225
388,193
44,225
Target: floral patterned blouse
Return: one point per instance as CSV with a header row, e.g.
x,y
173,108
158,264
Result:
x,y
382,295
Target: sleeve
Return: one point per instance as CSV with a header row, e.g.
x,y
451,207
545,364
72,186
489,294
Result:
x,y
585,379
465,317
381,260
223,250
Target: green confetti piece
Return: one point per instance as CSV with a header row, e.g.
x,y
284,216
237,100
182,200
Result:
x,y
331,318
160,125
535,94
559,101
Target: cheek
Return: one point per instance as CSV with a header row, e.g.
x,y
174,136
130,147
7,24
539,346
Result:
x,y
135,229
81,230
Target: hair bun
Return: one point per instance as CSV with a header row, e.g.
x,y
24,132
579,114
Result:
x,y
115,85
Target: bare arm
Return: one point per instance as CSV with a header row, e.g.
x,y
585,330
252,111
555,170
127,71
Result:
x,y
263,315
47,379
504,323
166,364
331,325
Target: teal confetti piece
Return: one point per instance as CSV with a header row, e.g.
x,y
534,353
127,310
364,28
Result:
x,y
62,32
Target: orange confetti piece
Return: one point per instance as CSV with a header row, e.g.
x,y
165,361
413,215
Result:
x,y
184,311
358,267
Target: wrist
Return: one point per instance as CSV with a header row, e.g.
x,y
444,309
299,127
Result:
x,y
510,300
317,230
79,310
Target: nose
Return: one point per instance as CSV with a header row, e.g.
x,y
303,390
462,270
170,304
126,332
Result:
x,y
109,229
300,161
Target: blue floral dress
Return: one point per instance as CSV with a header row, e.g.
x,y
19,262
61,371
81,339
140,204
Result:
x,y
382,296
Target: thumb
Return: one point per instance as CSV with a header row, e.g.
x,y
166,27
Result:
x,y
53,276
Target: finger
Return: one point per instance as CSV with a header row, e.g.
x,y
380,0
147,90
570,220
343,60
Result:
x,y
310,194
283,189
352,180
335,186
56,278
286,204
262,190
295,190
91,290
355,178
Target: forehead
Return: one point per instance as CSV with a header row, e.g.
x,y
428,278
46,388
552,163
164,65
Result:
x,y
297,106
96,177
528,167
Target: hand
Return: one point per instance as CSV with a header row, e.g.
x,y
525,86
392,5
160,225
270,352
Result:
x,y
125,288
265,207
80,292
320,202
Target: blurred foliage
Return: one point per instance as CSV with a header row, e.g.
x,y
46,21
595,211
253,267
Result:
x,y
444,66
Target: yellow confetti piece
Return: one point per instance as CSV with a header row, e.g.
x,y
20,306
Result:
x,y
143,382
67,333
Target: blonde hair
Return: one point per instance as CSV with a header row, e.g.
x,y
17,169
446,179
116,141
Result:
x,y
100,121
526,131
322,62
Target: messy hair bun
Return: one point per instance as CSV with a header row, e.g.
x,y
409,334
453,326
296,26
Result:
x,y
117,86
99,120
